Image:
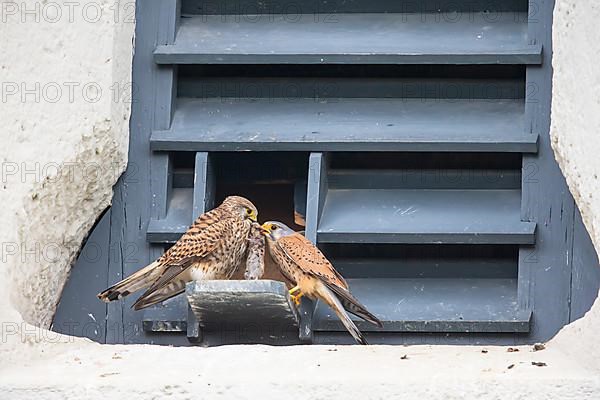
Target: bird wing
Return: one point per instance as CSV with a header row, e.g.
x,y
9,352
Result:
x,y
353,306
159,291
310,259
199,241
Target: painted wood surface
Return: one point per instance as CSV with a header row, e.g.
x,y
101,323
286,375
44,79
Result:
x,y
157,198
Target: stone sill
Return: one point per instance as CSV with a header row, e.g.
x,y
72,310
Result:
x,y
87,370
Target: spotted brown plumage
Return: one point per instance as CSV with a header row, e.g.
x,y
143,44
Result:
x,y
212,248
303,263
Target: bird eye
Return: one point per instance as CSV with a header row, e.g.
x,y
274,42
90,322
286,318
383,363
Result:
x,y
273,227
248,211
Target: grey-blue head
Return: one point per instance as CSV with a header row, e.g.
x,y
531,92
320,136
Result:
x,y
275,230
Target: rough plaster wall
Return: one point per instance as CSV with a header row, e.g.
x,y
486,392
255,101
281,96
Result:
x,y
575,130
66,73
576,105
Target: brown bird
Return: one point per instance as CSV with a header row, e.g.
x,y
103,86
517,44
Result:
x,y
303,263
212,248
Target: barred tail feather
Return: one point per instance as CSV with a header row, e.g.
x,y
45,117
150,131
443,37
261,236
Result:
x,y
329,297
137,281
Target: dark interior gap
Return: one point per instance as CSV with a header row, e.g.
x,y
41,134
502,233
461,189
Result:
x,y
424,261
437,160
483,170
353,81
433,251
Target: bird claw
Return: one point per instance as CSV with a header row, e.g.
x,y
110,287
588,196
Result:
x,y
296,297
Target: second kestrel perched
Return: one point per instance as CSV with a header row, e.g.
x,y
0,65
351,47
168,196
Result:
x,y
212,248
303,263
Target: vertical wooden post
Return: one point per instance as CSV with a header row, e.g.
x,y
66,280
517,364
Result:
x,y
315,198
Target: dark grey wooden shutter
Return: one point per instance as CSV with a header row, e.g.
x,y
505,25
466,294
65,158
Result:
x,y
412,137
421,94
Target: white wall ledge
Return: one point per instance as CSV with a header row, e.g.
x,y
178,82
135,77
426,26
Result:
x,y
247,372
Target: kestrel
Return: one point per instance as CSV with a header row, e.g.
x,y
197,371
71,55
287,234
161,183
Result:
x,y
303,263
212,248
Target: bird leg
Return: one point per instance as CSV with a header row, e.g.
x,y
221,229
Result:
x,y
294,290
296,297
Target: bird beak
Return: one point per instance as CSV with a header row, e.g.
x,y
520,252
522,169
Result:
x,y
265,229
253,216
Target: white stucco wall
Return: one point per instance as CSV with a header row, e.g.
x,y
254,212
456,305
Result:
x,y
576,105
84,136
575,130
66,72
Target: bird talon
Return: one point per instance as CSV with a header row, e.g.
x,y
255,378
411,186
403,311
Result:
x,y
296,298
